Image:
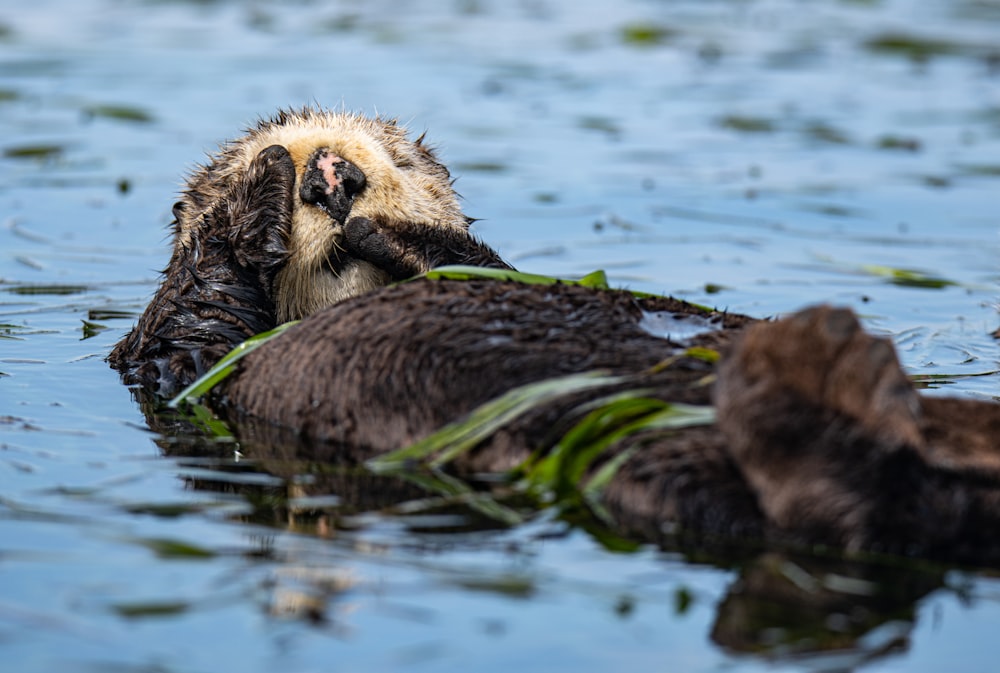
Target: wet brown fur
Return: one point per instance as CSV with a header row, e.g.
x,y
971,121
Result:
x,y
841,450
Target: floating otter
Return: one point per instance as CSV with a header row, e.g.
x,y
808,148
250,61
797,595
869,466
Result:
x,y
820,437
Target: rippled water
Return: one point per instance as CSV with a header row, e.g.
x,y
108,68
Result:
x,y
751,155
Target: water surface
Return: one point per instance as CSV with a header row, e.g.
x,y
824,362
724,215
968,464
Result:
x,y
755,156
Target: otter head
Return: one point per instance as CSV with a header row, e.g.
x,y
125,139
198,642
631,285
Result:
x,y
346,166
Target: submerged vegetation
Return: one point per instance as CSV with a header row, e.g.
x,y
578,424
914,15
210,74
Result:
x,y
125,113
916,47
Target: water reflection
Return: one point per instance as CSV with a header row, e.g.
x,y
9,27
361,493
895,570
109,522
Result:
x,y
831,613
814,609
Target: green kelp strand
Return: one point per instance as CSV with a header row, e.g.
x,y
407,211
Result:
x,y
464,272
920,378
451,490
561,469
936,380
526,398
456,438
224,367
709,355
907,277
203,385
594,488
595,279
201,416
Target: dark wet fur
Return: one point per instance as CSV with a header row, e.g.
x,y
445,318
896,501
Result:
x,y
841,450
216,292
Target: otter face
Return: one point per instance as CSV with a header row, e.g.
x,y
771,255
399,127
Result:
x,y
347,166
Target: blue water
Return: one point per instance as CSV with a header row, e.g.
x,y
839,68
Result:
x,y
733,153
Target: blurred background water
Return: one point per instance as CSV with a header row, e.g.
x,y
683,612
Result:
x,y
753,155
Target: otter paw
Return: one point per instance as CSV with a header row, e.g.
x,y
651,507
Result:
x,y
378,245
270,176
820,359
257,216
272,173
825,427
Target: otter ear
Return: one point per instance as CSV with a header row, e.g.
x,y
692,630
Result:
x,y
178,210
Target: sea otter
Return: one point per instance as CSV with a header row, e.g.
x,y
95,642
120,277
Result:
x,y
308,208
820,437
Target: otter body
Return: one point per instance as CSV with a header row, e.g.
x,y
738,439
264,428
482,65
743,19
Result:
x,y
386,369
820,438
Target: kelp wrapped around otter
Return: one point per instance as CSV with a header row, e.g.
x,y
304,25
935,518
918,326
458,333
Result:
x,y
819,437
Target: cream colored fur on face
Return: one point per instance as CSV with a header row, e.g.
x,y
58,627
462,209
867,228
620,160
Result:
x,y
405,183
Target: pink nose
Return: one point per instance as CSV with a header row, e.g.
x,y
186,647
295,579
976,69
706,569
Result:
x,y
331,182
